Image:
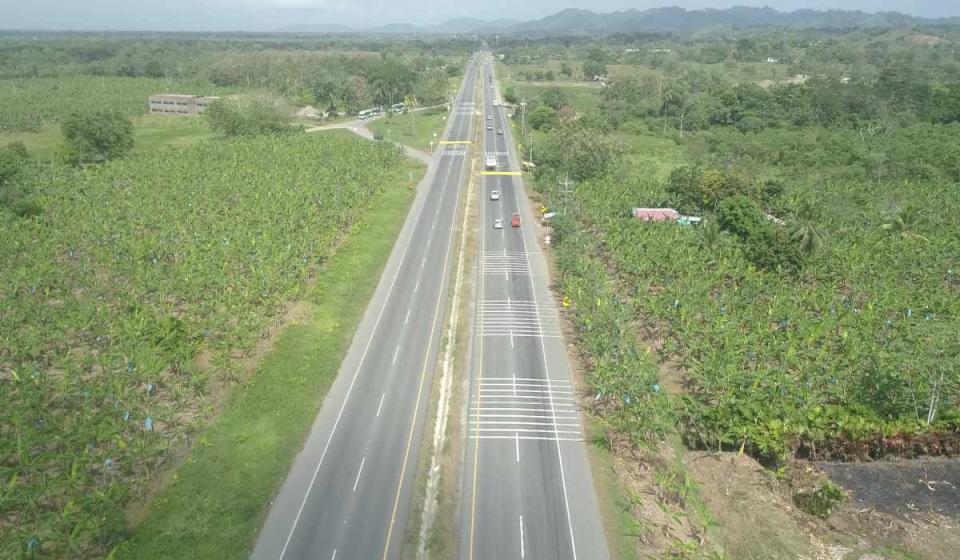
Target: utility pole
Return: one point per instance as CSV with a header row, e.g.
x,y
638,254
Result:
x,y
565,191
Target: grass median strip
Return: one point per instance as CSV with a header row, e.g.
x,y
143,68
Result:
x,y
217,500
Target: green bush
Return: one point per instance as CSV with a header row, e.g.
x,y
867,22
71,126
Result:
x,y
95,136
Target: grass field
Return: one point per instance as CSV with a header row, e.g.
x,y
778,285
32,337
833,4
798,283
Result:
x,y
416,129
149,131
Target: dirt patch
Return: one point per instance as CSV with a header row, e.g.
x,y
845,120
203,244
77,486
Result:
x,y
756,518
901,488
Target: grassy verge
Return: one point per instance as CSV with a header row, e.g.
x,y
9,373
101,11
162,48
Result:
x,y
216,501
414,129
149,131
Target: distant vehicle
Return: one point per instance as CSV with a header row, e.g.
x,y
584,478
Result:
x,y
515,220
489,126
491,162
489,117
500,131
399,108
494,195
498,223
496,102
366,114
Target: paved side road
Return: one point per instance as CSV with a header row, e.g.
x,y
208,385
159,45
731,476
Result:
x,y
359,127
349,491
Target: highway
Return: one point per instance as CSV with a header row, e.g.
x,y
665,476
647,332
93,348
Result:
x,y
348,493
527,486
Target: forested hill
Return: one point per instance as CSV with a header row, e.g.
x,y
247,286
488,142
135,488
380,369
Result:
x,y
572,21
679,19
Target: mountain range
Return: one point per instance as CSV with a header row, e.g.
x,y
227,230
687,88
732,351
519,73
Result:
x,y
575,21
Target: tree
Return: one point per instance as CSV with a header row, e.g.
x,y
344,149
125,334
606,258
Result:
x,y
249,115
509,95
554,98
580,152
95,136
566,70
741,216
593,68
542,118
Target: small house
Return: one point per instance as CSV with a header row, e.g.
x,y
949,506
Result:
x,y
656,214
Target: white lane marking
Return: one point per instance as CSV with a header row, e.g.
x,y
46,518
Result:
x,y
548,430
521,536
346,397
407,318
509,310
516,436
506,437
359,472
395,352
417,287
429,240
381,403
487,380
423,262
334,557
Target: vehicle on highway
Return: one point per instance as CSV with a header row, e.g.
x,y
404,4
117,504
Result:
x,y
494,195
500,131
490,162
498,223
489,117
489,126
515,220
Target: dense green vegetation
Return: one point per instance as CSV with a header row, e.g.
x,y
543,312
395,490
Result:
x,y
815,310
42,79
141,282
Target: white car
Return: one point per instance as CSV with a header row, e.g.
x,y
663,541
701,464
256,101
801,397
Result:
x,y
489,117
494,195
490,162
498,223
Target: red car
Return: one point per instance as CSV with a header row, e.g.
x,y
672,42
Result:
x,y
515,221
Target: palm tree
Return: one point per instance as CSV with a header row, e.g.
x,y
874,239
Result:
x,y
411,102
806,231
904,221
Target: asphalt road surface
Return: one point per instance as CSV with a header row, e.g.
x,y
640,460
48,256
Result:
x,y
527,486
348,493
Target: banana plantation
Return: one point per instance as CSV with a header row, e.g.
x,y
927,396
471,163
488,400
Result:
x,y
134,296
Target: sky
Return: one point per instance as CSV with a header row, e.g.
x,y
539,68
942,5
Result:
x,y
270,15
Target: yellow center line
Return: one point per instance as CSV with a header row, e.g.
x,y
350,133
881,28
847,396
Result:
x,y
455,142
513,173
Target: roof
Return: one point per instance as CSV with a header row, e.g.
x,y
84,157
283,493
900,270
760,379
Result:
x,y
655,214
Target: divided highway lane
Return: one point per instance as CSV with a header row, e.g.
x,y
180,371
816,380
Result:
x,y
348,493
528,490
